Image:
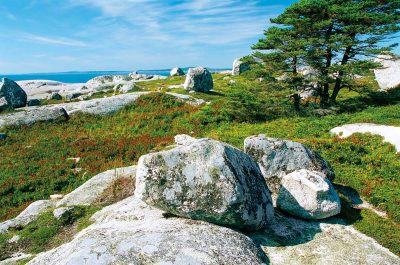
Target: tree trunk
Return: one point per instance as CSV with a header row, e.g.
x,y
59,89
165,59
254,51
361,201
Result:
x,y
325,71
296,98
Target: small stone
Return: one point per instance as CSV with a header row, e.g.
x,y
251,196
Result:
x,y
14,239
56,197
33,102
55,96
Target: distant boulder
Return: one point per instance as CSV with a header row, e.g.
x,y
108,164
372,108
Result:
x,y
55,96
13,94
278,158
388,76
239,67
207,180
199,79
177,72
33,102
308,195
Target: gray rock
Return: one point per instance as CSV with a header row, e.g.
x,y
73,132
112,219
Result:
x,y
60,211
278,158
55,96
13,93
92,189
34,102
131,232
199,79
239,67
177,72
308,195
3,136
388,76
72,96
3,104
206,180
31,116
27,216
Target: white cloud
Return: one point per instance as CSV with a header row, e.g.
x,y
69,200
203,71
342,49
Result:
x,y
52,40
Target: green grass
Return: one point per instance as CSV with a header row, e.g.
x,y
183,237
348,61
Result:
x,y
37,165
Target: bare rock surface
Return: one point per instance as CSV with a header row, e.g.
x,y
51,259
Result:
x,y
199,80
278,158
388,76
42,89
28,215
390,134
91,190
33,115
308,195
131,232
207,180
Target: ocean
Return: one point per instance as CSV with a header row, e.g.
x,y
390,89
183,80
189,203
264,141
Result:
x,y
83,77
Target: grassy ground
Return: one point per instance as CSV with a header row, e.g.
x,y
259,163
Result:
x,y
36,163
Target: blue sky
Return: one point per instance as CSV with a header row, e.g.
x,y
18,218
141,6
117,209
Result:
x,y
82,35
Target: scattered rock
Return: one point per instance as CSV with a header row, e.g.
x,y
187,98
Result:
x,y
34,102
59,212
31,116
55,96
199,79
3,136
308,195
388,76
390,134
239,67
278,158
56,197
13,93
177,72
14,239
72,96
188,99
27,216
91,190
131,232
206,180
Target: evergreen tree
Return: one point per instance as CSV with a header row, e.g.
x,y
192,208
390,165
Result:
x,y
336,38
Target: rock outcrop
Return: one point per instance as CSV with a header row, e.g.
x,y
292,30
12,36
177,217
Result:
x,y
13,94
131,232
31,116
388,76
177,72
390,134
308,195
199,79
28,215
278,158
92,189
206,180
239,67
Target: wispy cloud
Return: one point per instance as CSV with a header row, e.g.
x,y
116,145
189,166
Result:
x,y
53,40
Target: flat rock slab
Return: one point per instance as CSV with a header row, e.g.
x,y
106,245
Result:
x,y
131,232
30,116
297,242
391,134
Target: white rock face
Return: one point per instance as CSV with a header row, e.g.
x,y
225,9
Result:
x,y
390,134
27,216
31,116
199,79
239,67
206,180
177,72
388,76
278,158
308,195
42,89
91,190
131,232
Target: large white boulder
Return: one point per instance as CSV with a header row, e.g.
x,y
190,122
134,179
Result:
x,y
308,195
131,232
12,93
278,158
206,180
177,72
199,79
239,67
388,76
31,116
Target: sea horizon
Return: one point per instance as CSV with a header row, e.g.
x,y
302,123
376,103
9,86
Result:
x,y
84,76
